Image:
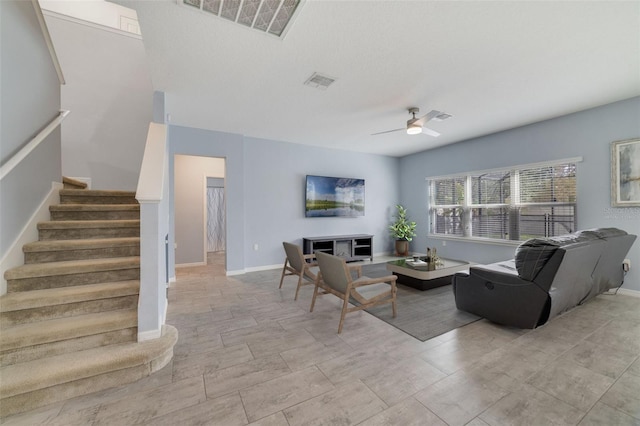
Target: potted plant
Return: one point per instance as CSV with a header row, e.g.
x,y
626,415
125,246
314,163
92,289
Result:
x,y
403,231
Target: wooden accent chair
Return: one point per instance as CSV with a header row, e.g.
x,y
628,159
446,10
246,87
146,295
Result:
x,y
363,292
296,264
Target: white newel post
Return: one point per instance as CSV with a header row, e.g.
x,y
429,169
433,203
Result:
x,y
154,224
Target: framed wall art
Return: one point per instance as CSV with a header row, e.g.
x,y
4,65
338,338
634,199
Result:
x,y
625,173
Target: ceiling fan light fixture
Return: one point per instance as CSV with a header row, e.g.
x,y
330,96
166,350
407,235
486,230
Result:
x,y
414,129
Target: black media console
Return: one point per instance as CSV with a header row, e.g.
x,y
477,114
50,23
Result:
x,y
350,247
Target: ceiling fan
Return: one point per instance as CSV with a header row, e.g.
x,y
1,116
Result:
x,y
415,125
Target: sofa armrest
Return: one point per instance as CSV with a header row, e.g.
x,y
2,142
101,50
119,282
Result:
x,y
497,293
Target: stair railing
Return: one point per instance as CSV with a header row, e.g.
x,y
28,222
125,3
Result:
x,y
12,162
153,195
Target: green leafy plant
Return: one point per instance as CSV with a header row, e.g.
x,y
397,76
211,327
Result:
x,y
402,229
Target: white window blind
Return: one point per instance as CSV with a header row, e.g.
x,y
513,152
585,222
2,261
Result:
x,y
508,204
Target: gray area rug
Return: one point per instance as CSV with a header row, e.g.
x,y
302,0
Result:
x,y
421,314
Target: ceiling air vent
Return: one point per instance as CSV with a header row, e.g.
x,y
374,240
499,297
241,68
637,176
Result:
x,y
319,81
442,116
268,16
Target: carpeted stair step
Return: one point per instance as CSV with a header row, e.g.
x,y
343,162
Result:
x,y
40,276
70,183
82,229
34,384
60,250
64,335
92,196
94,211
39,305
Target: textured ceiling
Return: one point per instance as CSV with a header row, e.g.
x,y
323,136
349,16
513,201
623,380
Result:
x,y
492,65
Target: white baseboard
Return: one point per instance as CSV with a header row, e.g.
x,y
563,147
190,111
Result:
x,y
263,268
14,256
627,292
237,272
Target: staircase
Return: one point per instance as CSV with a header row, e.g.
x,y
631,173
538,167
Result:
x,y
68,323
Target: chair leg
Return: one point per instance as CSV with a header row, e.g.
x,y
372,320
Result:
x,y
393,301
298,288
284,269
313,299
342,314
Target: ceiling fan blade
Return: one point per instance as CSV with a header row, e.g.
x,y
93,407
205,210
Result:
x,y
389,131
428,131
427,117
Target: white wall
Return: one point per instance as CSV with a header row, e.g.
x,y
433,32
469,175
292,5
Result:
x,y
190,184
586,134
110,96
30,100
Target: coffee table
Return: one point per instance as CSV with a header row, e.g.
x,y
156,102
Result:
x,y
420,278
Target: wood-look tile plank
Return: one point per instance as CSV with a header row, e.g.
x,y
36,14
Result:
x,y
459,398
146,405
350,403
406,413
237,377
275,395
569,382
623,395
226,410
205,362
531,406
602,414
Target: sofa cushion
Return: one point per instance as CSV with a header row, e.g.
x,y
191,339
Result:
x,y
533,254
603,232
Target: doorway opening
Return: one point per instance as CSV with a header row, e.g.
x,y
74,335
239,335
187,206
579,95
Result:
x,y
199,210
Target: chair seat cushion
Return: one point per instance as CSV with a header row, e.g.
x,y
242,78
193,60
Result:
x,y
373,290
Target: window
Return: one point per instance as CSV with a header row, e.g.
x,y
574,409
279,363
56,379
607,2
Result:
x,y
519,203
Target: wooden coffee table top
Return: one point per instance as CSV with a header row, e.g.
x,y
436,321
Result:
x,y
450,267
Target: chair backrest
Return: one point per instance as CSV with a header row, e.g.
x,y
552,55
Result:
x,y
294,255
334,271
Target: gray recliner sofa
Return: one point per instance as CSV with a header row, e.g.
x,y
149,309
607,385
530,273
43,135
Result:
x,y
547,277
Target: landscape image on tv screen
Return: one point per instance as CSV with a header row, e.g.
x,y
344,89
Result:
x,y
332,196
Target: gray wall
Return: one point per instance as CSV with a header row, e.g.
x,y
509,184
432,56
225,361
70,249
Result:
x,y
265,183
586,134
110,95
275,191
30,100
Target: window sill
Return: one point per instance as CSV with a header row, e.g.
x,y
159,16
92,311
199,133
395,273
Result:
x,y
509,243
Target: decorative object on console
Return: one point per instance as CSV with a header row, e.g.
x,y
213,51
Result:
x,y
402,230
334,196
625,173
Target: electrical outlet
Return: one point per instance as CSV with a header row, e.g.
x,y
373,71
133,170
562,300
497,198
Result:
x,y
255,246
444,243
626,265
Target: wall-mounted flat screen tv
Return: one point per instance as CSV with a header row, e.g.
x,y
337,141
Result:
x,y
334,196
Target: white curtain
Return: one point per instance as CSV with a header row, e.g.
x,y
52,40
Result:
x,y
215,219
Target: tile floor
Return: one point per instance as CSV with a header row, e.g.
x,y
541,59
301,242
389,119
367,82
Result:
x,y
249,354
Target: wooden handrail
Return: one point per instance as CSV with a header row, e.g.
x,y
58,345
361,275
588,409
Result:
x,y
48,41
26,150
